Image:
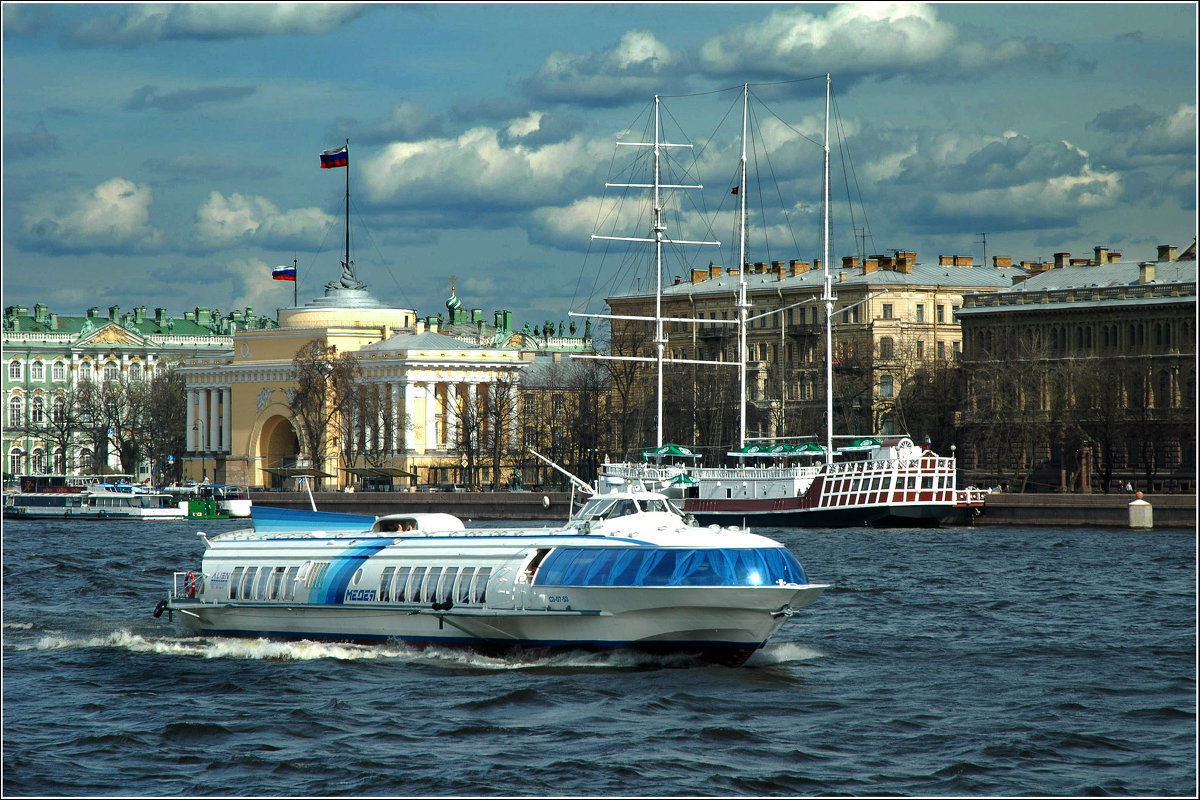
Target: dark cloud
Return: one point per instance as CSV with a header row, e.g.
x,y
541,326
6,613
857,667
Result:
x,y
1122,120
626,72
406,122
34,142
184,99
193,168
140,24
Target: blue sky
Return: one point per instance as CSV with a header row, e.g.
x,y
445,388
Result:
x,y
167,155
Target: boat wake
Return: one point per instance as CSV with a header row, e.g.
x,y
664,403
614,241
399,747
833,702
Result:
x,y
262,649
783,653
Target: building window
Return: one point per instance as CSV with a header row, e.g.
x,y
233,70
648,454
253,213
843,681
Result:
x,y
58,410
527,405
14,370
941,349
530,438
37,372
556,404
58,372
37,463
920,349
885,386
886,347
941,313
135,372
920,312
887,311
37,411
112,371
14,412
85,371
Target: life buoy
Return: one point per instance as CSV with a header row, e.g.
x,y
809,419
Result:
x,y
189,584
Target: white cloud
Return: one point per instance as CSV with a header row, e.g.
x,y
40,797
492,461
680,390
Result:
x,y
865,38
630,69
481,166
112,215
139,24
223,221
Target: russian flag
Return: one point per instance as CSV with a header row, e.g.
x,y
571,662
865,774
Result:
x,y
338,157
283,274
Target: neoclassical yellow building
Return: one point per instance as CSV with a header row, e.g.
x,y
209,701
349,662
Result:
x,y
241,428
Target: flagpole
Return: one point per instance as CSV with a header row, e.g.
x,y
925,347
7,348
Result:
x,y
347,204
295,282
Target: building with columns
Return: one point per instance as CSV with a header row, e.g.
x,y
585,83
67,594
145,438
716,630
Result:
x,y
48,354
432,397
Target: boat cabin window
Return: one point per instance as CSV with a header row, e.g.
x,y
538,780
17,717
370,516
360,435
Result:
x,y
447,590
260,592
414,584
658,566
402,583
289,583
464,585
623,508
247,589
235,582
596,508
385,585
429,587
273,586
481,584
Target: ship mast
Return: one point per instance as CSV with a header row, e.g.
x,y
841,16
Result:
x,y
742,304
827,296
658,240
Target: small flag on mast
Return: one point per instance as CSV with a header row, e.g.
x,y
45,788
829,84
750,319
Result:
x,y
337,157
734,190
283,274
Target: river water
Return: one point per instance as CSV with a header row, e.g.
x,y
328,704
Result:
x,y
958,661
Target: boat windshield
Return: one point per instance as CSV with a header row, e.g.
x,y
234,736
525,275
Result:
x,y
611,507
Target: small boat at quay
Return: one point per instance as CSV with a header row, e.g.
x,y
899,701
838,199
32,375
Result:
x,y
230,500
628,570
44,497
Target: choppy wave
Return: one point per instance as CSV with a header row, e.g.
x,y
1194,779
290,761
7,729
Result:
x,y
947,662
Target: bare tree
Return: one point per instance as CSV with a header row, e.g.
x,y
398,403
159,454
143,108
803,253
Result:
x,y
499,417
163,431
326,384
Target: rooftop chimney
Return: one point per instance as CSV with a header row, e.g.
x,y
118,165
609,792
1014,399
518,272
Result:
x,y
1146,272
798,267
714,272
1101,255
1001,261
1167,252
905,261
1061,259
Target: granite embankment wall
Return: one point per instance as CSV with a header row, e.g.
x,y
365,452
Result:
x,y
1095,510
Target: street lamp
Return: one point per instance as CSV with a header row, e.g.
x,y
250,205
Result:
x,y
198,425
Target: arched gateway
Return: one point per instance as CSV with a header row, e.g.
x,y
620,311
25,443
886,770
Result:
x,y
421,384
